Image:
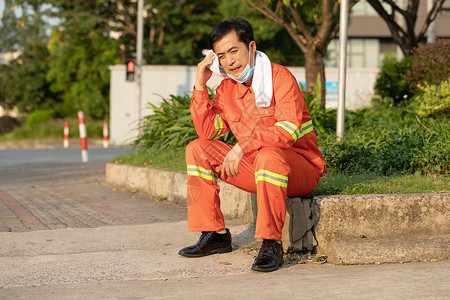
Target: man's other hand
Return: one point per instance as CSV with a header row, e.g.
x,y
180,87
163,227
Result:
x,y
203,72
230,165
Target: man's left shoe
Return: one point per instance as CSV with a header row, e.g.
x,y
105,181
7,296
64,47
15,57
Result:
x,y
270,257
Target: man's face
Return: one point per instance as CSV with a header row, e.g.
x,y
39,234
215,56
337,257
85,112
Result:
x,y
233,54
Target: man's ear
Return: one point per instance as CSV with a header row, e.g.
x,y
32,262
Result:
x,y
253,46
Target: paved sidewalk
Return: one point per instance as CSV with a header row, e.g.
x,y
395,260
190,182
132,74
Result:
x,y
56,196
68,235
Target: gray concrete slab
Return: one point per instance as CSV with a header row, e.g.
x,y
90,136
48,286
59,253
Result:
x,y
407,281
141,262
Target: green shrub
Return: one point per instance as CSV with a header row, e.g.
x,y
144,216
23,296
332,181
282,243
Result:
x,y
435,99
430,64
375,144
38,117
391,87
379,140
171,126
433,157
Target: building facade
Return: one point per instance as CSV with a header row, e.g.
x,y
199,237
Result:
x,y
369,38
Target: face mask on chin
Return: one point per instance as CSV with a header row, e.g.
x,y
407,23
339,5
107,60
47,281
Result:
x,y
248,71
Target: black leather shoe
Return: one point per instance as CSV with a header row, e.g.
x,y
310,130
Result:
x,y
270,257
210,242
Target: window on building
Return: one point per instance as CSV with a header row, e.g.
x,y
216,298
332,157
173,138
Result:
x,y
361,53
363,8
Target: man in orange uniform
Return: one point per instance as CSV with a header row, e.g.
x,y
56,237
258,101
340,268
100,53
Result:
x,y
276,155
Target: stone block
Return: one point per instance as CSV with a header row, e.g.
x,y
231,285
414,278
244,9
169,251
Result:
x,y
376,216
389,249
235,203
297,233
137,178
116,174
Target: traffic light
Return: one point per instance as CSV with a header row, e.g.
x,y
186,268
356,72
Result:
x,y
130,70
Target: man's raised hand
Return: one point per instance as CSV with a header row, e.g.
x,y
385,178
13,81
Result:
x,y
203,72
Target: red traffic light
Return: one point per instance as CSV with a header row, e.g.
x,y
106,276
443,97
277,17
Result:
x,y
130,66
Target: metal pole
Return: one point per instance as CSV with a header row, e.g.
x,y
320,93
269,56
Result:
x,y
139,46
343,25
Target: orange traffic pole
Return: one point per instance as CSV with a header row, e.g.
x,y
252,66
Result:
x,y
105,135
66,135
83,136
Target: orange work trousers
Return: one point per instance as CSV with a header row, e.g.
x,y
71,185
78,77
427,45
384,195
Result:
x,y
272,173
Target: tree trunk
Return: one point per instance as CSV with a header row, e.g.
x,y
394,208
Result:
x,y
314,66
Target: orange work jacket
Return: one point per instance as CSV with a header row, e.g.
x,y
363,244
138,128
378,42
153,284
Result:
x,y
286,123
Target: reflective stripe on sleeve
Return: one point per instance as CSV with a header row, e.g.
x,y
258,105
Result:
x,y
194,170
293,130
271,177
218,127
306,128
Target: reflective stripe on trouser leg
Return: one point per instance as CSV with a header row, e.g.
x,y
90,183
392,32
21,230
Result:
x,y
271,177
203,203
202,159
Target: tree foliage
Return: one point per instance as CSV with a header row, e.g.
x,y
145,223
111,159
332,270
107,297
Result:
x,y
23,22
78,70
23,28
23,82
430,63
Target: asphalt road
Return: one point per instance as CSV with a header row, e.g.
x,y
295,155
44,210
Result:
x,y
21,157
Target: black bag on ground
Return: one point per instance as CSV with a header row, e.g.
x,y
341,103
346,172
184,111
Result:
x,y
302,225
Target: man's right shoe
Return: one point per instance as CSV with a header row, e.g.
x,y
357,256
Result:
x,y
270,257
210,242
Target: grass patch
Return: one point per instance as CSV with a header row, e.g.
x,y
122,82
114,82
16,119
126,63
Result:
x,y
172,160
337,184
329,184
53,129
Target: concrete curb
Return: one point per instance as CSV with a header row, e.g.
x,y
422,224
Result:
x,y
394,228
236,204
364,229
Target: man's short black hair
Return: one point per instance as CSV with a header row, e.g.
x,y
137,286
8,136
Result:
x,y
243,30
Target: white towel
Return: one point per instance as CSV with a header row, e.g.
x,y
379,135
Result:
x,y
262,80
215,67
262,77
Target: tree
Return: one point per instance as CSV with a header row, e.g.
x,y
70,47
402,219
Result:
x,y
178,30
78,71
23,22
10,38
174,31
405,36
311,25
114,19
23,83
